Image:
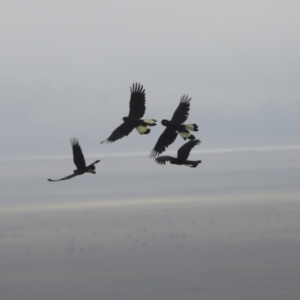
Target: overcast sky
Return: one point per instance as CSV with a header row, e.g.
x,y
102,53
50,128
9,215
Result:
x,y
67,66
137,229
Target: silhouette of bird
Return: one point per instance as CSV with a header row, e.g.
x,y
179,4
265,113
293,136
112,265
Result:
x,y
79,161
182,156
174,127
136,112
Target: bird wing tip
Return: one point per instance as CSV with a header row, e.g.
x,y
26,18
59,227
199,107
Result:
x,y
158,161
74,141
185,99
153,154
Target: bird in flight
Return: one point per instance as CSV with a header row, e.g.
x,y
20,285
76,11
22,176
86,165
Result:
x,y
136,112
182,156
79,161
175,126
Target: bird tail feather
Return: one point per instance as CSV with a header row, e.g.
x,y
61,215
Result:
x,y
142,129
192,163
91,171
150,122
192,127
186,135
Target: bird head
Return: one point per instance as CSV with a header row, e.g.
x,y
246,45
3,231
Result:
x,y
165,122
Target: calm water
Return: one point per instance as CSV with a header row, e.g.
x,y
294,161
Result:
x,y
229,229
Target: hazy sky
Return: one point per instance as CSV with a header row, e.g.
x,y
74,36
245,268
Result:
x,y
138,230
66,69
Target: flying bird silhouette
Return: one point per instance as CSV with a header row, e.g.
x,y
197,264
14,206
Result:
x,y
175,126
79,161
136,112
182,156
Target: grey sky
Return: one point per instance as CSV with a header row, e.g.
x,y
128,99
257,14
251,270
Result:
x,y
137,230
66,69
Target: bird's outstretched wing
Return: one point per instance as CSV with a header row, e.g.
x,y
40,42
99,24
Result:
x,y
166,139
121,131
78,157
163,159
184,151
65,178
137,101
182,111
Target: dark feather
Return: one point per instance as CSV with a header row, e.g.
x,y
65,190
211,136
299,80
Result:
x,y
163,159
78,157
79,161
166,139
137,102
192,163
121,131
65,178
184,151
182,112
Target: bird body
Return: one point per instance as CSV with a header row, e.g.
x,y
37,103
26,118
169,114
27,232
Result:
x,y
140,125
182,156
79,162
175,126
136,112
177,161
182,129
89,169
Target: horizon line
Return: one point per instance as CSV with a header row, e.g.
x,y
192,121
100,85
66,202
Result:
x,y
142,153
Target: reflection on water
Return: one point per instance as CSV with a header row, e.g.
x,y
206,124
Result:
x,y
226,230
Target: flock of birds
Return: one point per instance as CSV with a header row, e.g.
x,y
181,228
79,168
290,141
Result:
x,y
136,112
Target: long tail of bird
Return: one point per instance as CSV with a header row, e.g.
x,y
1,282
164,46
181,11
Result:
x,y
185,134
192,163
192,127
91,168
143,129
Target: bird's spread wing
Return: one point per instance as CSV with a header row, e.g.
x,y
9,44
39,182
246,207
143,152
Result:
x,y
182,111
65,178
184,151
121,131
163,159
78,157
137,102
166,138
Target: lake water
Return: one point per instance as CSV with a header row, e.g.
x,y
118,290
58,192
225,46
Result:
x,y
229,229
